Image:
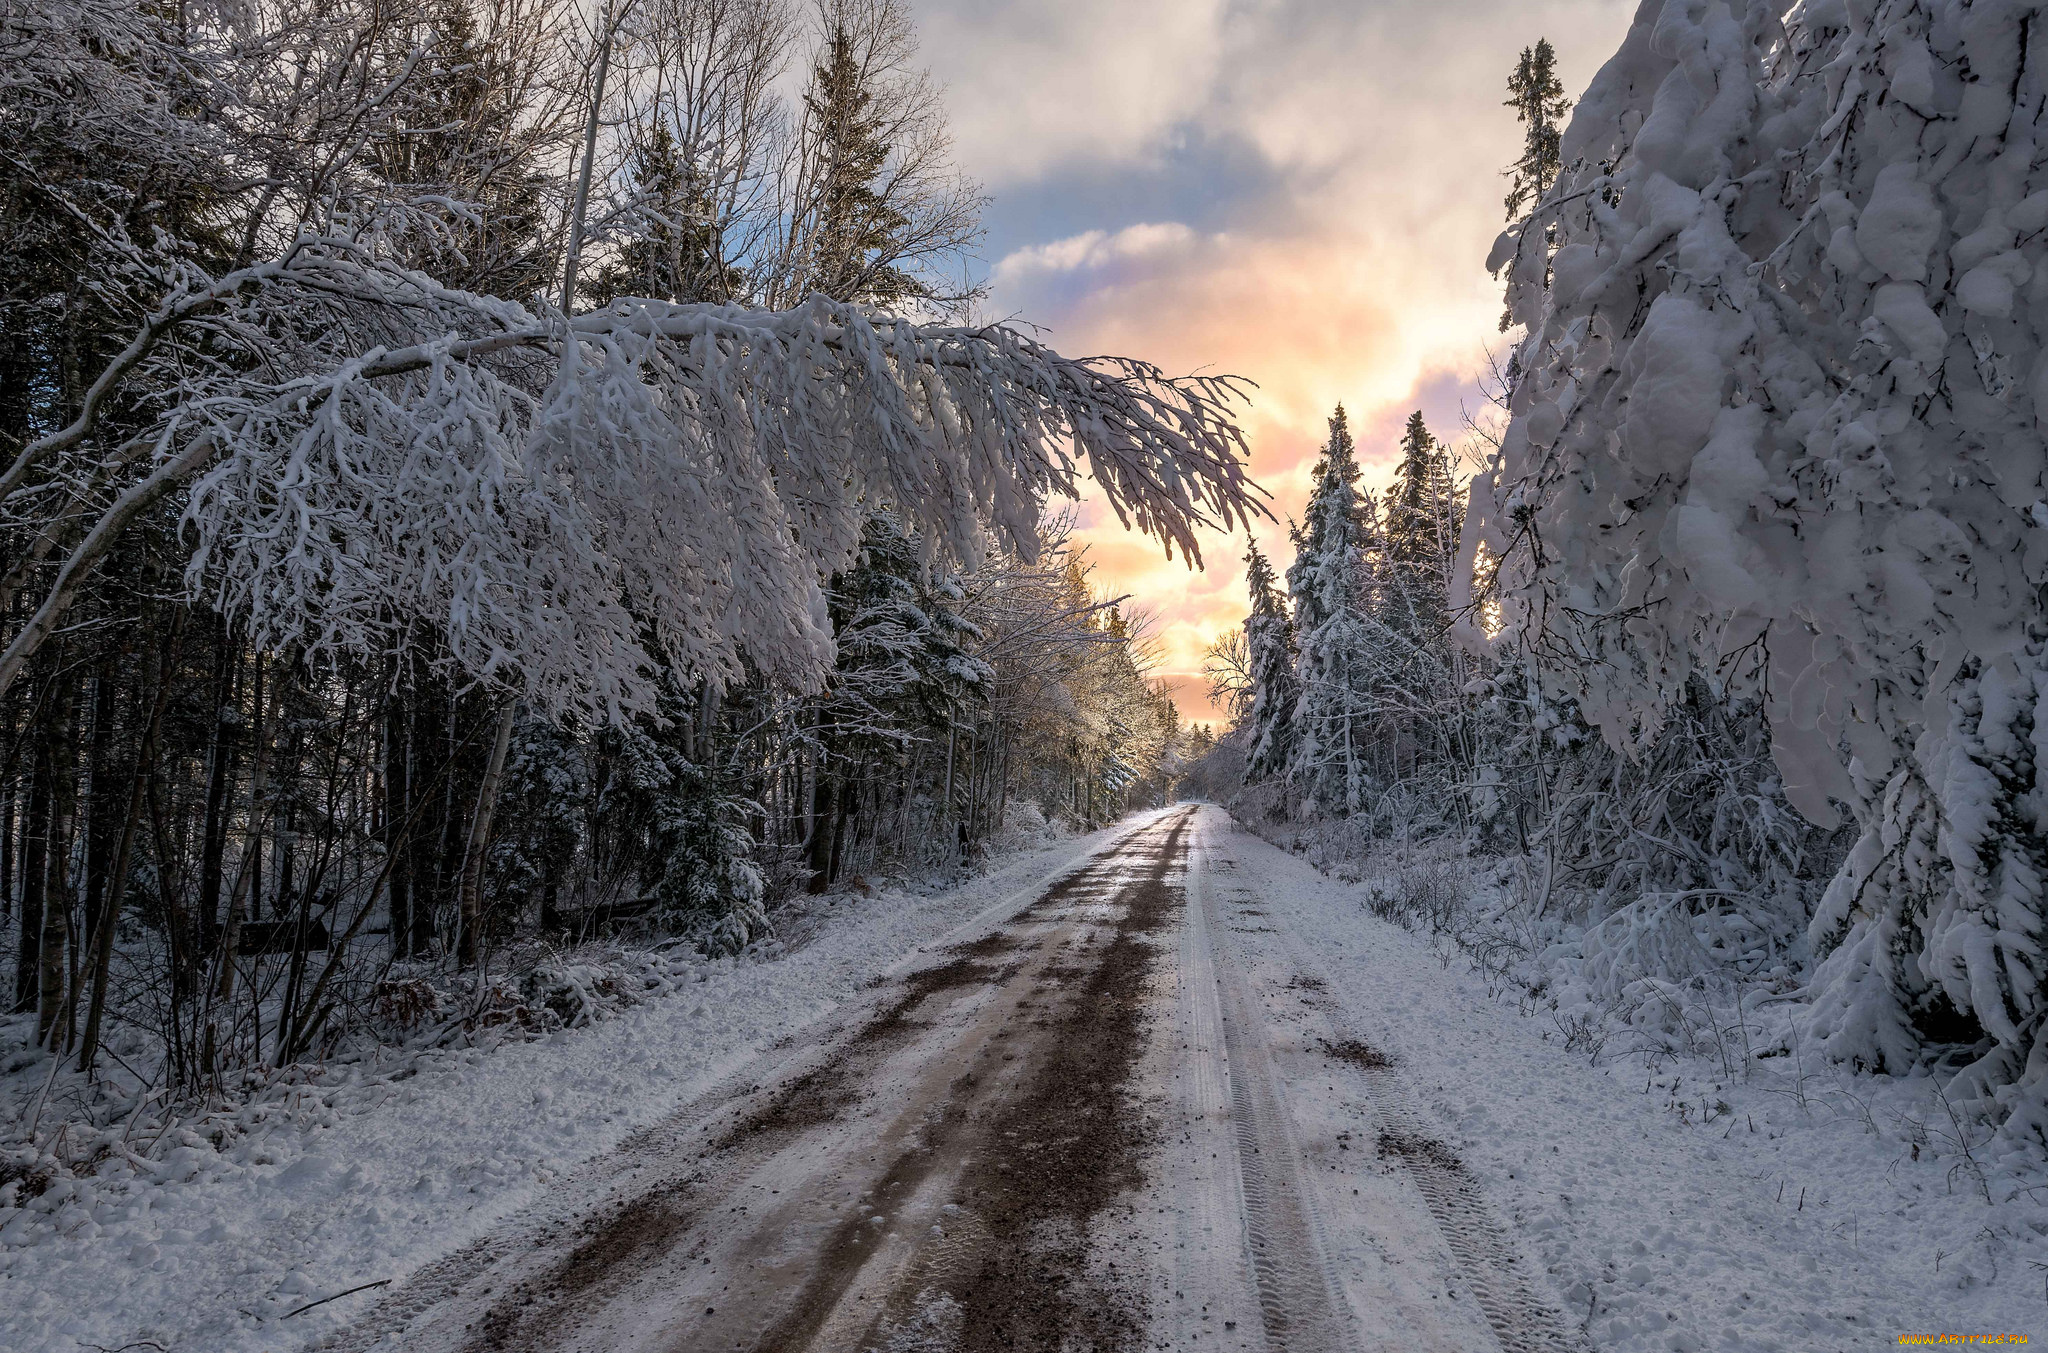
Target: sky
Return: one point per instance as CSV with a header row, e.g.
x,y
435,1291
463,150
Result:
x,y
1300,192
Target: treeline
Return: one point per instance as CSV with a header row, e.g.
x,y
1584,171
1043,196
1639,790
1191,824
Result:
x,y
1393,691
1377,700
1750,589
484,472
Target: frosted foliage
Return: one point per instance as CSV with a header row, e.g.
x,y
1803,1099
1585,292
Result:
x,y
568,503
1329,581
1779,421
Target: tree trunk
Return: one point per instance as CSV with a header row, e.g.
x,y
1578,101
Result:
x,y
35,851
397,807
846,789
909,802
824,801
1002,779
219,775
56,908
7,802
100,816
246,875
117,887
473,856
433,744
946,810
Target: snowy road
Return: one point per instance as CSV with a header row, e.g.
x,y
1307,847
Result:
x,y
1108,1122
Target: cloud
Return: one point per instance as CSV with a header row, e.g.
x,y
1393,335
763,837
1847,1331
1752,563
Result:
x,y
1091,250
1300,192
1039,84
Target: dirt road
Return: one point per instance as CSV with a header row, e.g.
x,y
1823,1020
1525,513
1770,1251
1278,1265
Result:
x,y
1128,1116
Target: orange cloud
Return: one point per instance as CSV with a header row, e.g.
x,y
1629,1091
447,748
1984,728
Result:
x,y
1327,178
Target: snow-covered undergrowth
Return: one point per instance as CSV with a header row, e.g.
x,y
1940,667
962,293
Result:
x,y
212,1221
1652,986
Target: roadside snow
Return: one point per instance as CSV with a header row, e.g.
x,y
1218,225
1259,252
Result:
x,y
368,1182
1676,1207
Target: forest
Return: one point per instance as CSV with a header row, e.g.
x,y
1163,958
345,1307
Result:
x,y
483,476
1731,653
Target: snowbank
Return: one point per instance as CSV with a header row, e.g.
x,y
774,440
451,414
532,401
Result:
x,y
1677,1202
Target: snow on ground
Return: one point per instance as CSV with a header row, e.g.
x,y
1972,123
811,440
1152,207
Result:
x,y
212,1254
1676,1208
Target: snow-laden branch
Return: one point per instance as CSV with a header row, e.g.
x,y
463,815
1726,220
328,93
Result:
x,y
1780,422
565,503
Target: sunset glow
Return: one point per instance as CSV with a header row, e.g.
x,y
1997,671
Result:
x,y
1299,193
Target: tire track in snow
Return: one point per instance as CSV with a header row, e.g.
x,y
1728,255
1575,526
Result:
x,y
1486,1255
1299,1301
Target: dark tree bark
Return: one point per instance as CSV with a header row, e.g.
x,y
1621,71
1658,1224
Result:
x,y
35,850
61,766
219,776
397,806
131,822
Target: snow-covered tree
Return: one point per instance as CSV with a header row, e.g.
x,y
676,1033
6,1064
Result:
x,y
1424,508
1270,658
556,496
1333,592
1779,421
905,671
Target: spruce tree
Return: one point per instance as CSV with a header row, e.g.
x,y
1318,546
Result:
x,y
858,229
1423,514
460,132
1269,644
1537,96
1332,582
905,673
679,252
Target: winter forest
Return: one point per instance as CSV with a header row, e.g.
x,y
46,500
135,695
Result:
x,y
511,509
1733,647
477,478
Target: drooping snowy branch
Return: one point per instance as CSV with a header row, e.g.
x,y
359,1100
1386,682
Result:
x,y
563,501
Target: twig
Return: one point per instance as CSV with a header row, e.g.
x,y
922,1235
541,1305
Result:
x,y
381,1282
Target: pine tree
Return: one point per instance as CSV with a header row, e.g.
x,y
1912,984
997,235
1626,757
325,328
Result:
x,y
1332,582
1424,511
858,227
1537,97
1269,641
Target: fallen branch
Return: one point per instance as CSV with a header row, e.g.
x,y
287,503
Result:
x,y
381,1282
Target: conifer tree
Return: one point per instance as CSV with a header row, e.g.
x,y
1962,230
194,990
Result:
x,y
464,133
904,673
678,253
1269,641
858,226
1331,582
1423,514
1537,96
